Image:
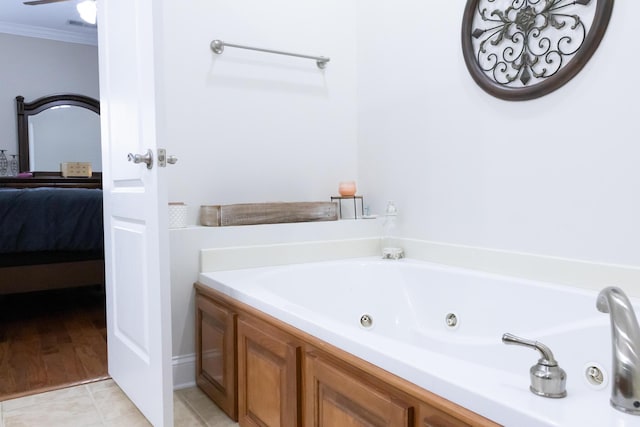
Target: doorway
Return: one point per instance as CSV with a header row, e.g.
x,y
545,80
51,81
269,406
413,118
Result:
x,y
49,339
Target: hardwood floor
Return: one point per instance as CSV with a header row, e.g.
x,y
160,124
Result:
x,y
51,340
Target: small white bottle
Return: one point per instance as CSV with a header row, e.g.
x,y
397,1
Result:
x,y
390,244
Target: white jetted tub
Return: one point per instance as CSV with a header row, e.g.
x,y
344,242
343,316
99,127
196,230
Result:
x,y
413,305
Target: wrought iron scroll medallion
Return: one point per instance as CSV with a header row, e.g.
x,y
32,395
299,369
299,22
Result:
x,y
524,49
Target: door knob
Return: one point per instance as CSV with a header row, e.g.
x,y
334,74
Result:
x,y
172,160
142,158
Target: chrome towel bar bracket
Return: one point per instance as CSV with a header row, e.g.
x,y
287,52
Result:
x,y
218,47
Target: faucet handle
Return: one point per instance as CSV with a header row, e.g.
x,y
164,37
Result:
x,y
547,378
547,356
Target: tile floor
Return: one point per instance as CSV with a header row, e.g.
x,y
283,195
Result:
x,y
104,404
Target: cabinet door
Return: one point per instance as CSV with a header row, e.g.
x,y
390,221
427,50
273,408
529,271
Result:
x,y
337,398
268,376
216,354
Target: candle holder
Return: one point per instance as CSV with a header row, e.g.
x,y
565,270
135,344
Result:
x,y
355,204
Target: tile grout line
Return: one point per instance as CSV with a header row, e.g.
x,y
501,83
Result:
x,y
95,405
101,418
192,408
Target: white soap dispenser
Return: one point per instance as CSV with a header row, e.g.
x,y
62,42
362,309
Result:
x,y
390,245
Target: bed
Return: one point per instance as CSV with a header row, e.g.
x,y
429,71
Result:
x,y
50,238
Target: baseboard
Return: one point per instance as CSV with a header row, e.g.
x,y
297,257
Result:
x,y
184,371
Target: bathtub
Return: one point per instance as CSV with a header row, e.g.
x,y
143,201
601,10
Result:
x,y
440,327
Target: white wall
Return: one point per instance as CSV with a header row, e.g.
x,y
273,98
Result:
x,y
255,127
252,127
34,68
557,176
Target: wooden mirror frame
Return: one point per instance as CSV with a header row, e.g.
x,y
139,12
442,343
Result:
x,y
591,42
26,109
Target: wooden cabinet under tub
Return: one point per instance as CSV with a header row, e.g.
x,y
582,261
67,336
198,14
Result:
x,y
264,372
216,372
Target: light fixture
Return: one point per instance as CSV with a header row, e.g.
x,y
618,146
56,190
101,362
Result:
x,y
87,11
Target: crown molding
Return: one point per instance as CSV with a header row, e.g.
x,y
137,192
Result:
x,y
48,33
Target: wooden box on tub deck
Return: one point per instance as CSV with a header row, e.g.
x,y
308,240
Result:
x,y
210,215
274,213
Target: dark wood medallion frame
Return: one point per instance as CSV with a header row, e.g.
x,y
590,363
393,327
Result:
x,y
523,21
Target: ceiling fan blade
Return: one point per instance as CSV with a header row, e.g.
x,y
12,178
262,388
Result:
x,y
37,2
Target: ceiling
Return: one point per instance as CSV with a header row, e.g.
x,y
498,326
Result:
x,y
55,21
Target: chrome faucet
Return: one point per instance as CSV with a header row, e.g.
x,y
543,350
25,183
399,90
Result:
x,y
625,339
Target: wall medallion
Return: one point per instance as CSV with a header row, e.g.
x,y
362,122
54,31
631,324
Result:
x,y
524,49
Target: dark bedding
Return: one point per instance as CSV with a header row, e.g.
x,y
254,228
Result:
x,y
50,219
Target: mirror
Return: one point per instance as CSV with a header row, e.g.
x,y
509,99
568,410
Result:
x,y
56,129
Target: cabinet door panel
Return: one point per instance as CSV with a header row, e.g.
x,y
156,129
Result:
x,y
338,398
216,354
268,377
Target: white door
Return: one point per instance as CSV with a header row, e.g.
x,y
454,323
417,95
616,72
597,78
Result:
x,y
135,209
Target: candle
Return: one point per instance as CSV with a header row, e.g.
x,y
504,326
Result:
x,y
347,188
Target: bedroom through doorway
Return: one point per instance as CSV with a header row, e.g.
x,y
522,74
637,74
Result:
x,y
52,333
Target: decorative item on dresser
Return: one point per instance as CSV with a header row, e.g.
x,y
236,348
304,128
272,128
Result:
x,y
4,163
